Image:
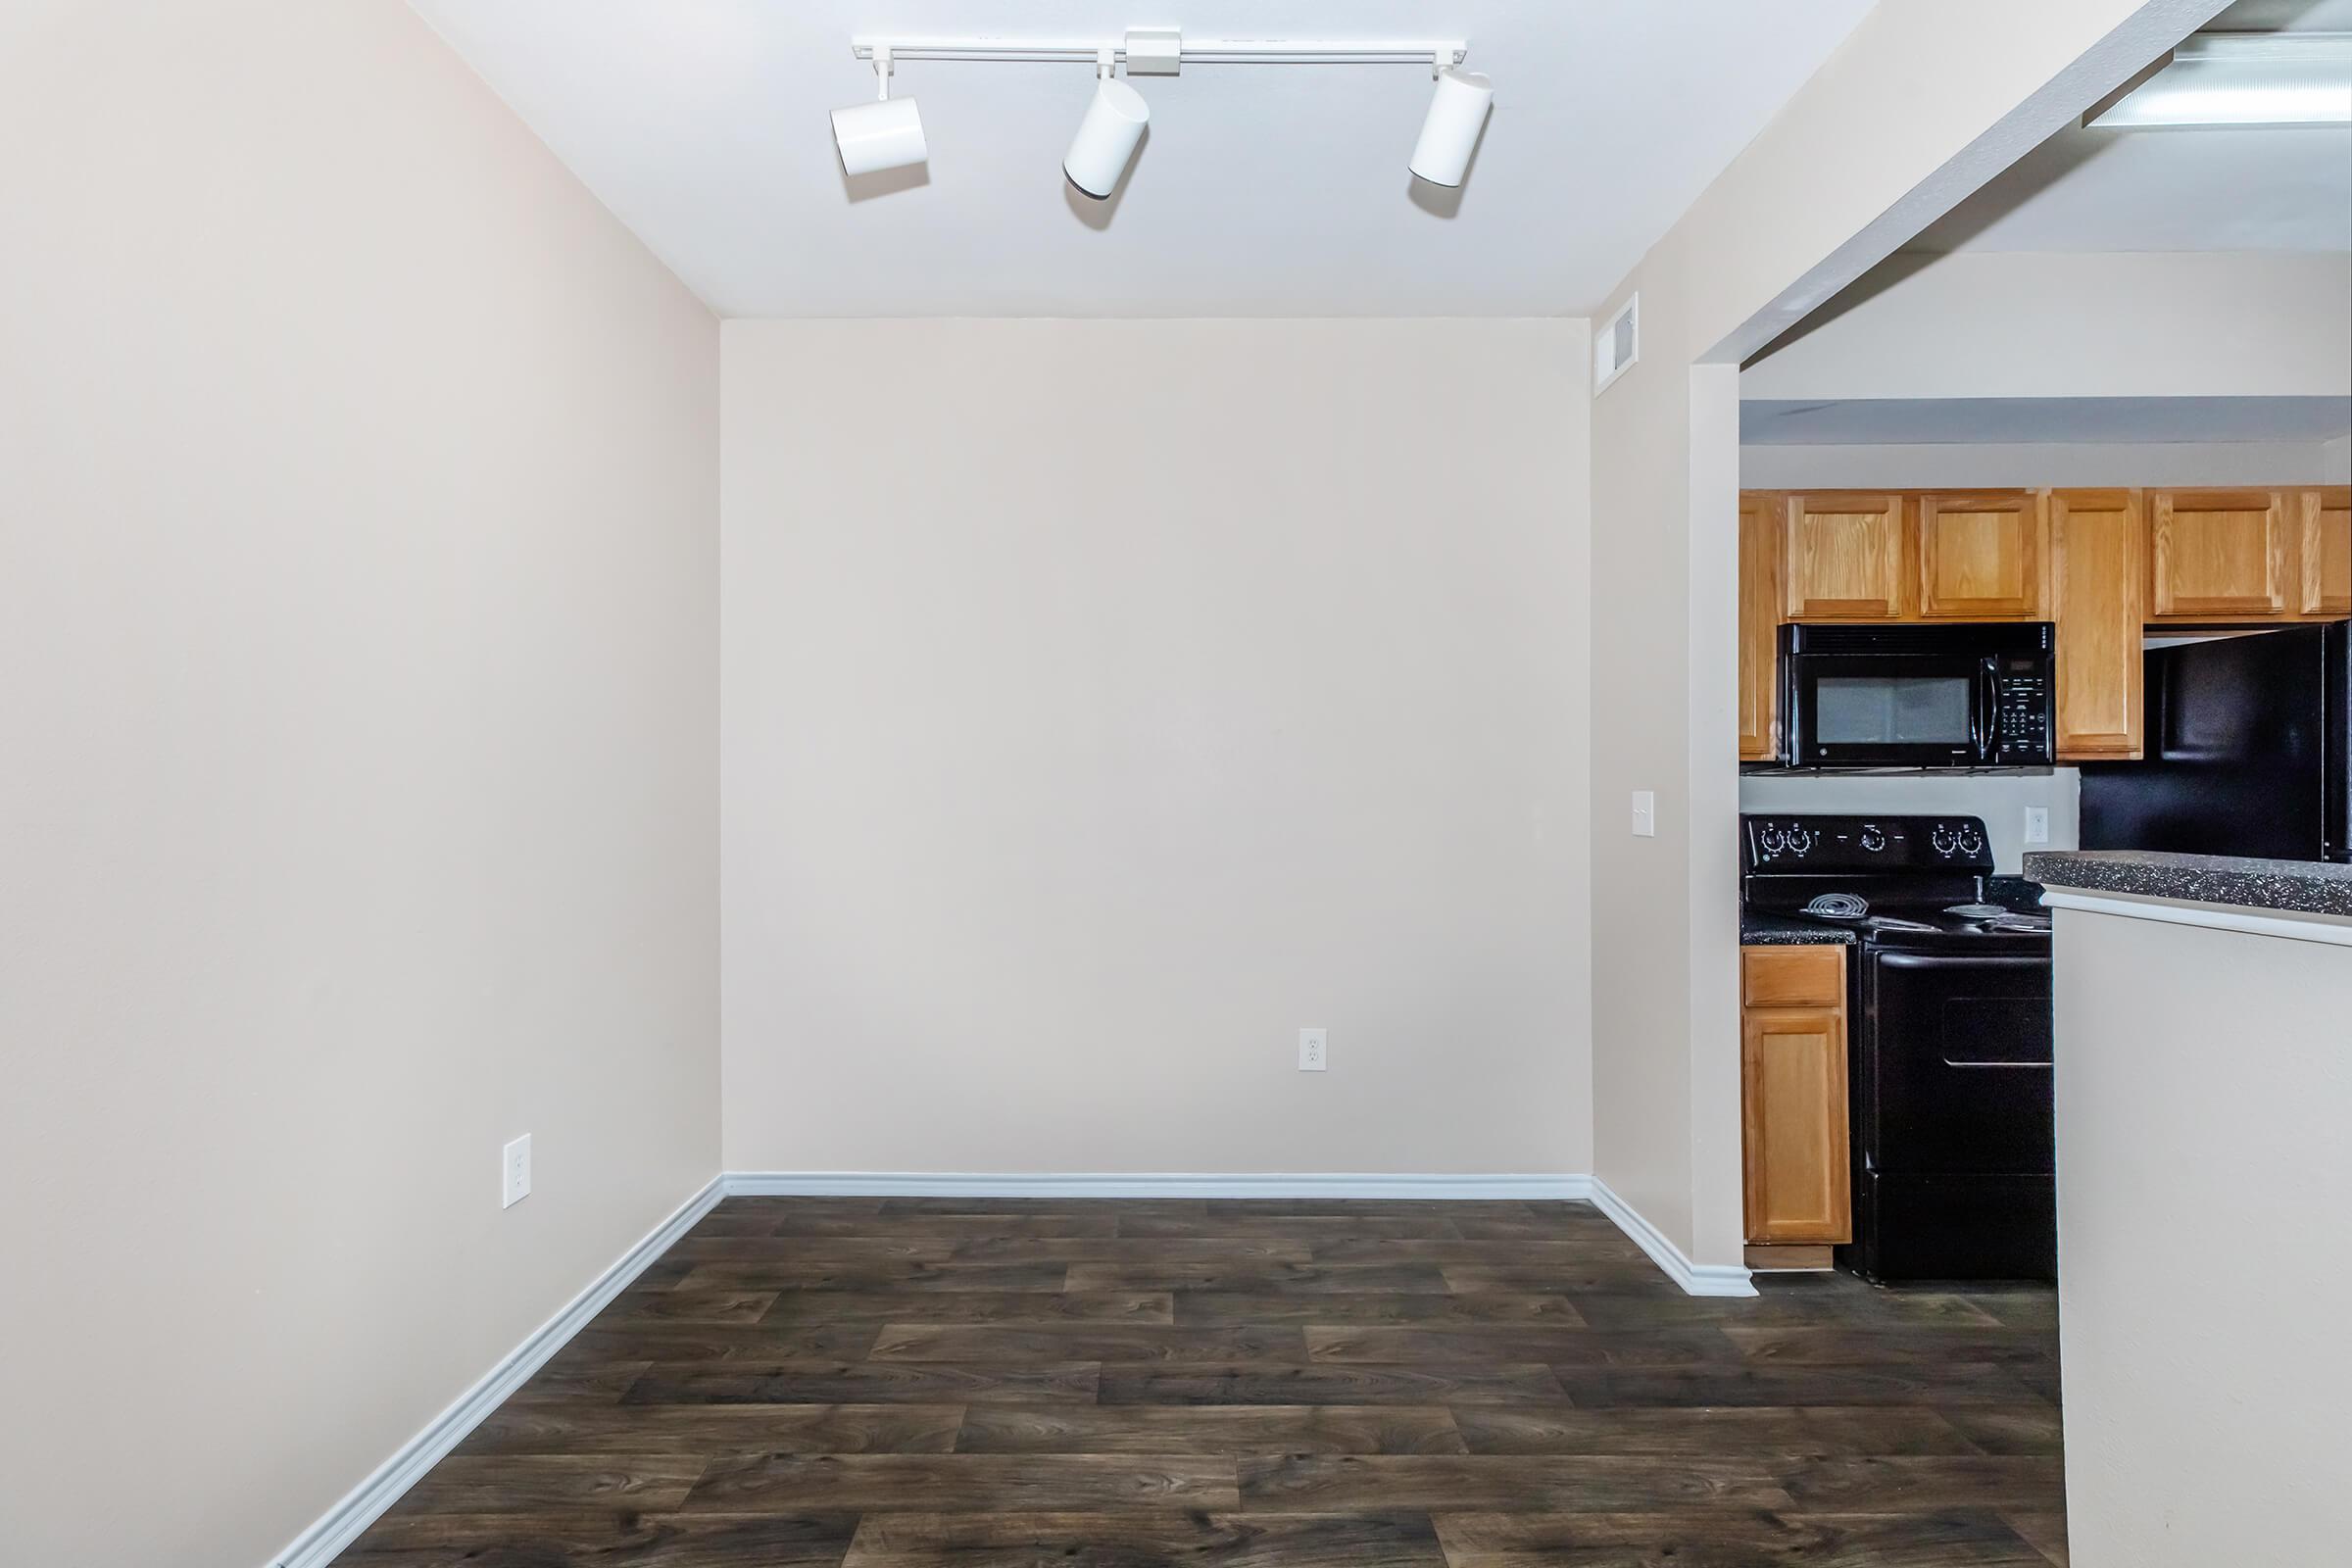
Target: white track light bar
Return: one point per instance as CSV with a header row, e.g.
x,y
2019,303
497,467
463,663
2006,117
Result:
x,y
1191,51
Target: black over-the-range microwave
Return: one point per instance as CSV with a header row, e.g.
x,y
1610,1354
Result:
x,y
1913,696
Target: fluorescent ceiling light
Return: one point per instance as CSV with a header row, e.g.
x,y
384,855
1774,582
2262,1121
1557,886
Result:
x,y
2239,79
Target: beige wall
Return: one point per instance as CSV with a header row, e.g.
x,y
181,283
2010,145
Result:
x,y
1102,702
2006,325
2029,465
1950,95
2203,1178
357,537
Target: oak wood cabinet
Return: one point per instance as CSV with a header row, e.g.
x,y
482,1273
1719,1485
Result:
x,y
2103,564
1982,556
1794,1147
2219,554
1844,557
2098,573
1760,534
2326,545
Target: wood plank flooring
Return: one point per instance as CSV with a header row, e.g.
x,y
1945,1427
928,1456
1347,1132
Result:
x,y
933,1382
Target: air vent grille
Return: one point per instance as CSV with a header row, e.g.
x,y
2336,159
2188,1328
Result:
x,y
1618,344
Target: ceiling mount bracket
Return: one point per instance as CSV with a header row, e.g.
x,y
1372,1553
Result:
x,y
1155,51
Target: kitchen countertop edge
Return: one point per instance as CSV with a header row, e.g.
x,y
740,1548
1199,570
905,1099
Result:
x,y
1765,931
2292,887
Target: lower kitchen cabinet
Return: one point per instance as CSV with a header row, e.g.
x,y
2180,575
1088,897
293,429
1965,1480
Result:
x,y
1794,1143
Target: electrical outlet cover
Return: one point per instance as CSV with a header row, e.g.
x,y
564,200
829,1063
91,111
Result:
x,y
1313,1055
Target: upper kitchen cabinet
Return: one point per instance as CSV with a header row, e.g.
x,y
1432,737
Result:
x,y
2326,517
2102,565
1760,529
1982,557
1844,558
2099,570
2219,555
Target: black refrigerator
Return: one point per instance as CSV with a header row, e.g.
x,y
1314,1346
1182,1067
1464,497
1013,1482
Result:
x,y
2249,751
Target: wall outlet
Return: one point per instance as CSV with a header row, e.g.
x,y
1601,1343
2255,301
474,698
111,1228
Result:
x,y
1311,1055
514,1172
1646,813
2037,824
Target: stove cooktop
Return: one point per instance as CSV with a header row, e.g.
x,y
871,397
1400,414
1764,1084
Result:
x,y
1892,880
1861,915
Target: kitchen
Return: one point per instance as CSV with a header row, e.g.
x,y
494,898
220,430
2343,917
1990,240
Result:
x,y
2045,748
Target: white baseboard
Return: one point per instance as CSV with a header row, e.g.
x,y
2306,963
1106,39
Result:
x,y
1041,1184
361,1508
342,1524
1695,1279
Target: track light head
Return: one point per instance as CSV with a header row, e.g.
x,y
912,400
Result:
x,y
1457,113
1107,138
887,134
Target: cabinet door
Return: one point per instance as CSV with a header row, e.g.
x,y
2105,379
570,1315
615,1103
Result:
x,y
1845,560
2326,553
2098,571
1982,556
2218,555
1760,528
1794,1125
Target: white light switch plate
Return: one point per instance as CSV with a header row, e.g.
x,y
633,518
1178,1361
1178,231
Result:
x,y
1646,813
514,1172
2037,824
1312,1057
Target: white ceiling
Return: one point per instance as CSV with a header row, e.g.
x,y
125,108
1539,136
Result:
x,y
1261,190
2174,190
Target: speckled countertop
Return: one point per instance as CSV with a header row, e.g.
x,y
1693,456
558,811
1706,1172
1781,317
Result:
x,y
2303,887
1772,930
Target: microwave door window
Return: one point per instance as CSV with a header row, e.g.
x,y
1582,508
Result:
x,y
1893,709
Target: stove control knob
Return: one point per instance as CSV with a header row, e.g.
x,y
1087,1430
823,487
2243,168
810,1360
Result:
x,y
1970,841
1873,838
1772,841
1943,840
1800,839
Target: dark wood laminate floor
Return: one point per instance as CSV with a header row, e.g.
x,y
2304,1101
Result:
x,y
868,1382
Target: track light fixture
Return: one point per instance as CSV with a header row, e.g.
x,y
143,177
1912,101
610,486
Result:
x,y
1457,113
889,135
1108,135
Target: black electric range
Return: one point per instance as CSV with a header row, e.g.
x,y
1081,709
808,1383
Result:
x,y
1949,1039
